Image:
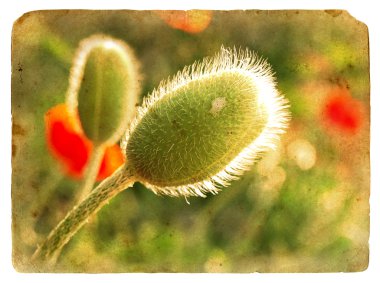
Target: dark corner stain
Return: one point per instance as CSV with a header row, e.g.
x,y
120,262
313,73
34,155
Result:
x,y
17,130
22,19
14,150
334,13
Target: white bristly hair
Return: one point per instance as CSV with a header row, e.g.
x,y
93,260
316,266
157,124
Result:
x,y
227,61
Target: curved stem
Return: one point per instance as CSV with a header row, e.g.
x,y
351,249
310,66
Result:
x,y
57,47
79,215
91,171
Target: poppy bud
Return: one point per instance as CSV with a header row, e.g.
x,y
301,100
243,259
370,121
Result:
x,y
104,86
206,125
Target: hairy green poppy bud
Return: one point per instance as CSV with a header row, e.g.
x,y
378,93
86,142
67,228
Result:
x,y
207,125
104,86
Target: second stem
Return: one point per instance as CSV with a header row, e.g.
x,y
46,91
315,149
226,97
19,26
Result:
x,y
120,180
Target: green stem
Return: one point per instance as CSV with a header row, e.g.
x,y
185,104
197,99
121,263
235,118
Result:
x,y
56,47
91,171
79,215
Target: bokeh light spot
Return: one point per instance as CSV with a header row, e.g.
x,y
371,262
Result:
x,y
303,153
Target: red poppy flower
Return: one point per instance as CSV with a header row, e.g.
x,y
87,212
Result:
x,y
113,159
342,111
67,142
192,21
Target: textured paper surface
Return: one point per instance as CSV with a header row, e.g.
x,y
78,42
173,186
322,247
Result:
x,y
302,208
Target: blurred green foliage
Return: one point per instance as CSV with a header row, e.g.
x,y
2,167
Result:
x,y
302,208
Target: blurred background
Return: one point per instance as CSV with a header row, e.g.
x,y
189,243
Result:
x,y
302,208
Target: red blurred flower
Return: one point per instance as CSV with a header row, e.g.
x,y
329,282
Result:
x,y
113,159
192,21
342,111
67,142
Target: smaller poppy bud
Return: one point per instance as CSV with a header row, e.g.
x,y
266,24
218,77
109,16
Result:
x,y
104,87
